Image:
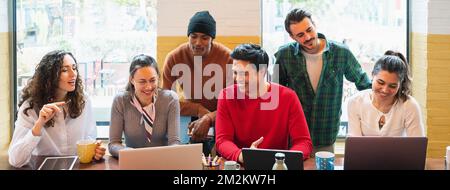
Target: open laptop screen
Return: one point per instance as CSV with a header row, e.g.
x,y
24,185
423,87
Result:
x,y
177,157
385,153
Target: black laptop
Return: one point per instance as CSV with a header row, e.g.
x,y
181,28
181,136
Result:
x,y
385,153
263,159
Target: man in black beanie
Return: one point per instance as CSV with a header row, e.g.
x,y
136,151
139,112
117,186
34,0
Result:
x,y
201,33
202,22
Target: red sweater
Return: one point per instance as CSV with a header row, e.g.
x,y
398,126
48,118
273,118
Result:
x,y
240,122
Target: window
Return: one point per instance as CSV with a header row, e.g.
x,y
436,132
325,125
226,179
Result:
x,y
102,35
367,27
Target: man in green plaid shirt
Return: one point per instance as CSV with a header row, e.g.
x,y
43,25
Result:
x,y
315,68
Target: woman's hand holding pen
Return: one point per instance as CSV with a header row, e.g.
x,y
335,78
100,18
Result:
x,y
47,112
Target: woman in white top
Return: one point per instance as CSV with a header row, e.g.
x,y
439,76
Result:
x,y
53,112
388,109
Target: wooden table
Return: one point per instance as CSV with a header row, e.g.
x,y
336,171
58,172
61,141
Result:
x,y
111,163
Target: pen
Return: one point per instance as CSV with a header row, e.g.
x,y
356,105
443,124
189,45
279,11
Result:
x,y
61,106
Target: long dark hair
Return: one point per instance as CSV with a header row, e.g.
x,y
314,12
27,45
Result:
x,y
140,61
41,88
395,62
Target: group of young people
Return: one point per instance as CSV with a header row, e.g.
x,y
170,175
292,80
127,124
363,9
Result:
x,y
225,90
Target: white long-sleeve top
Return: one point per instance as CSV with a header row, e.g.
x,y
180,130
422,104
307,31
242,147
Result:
x,y
403,119
58,140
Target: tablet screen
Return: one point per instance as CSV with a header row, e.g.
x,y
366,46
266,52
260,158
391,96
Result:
x,y
58,163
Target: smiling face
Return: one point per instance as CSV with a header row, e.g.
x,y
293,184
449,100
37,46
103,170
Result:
x,y
304,32
68,76
145,81
200,44
385,85
248,79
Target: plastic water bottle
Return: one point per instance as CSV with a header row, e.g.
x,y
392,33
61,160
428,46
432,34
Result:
x,y
279,162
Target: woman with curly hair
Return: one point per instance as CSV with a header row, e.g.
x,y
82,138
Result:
x,y
53,112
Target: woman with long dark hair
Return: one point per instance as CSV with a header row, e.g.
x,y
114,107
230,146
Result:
x,y
388,109
53,113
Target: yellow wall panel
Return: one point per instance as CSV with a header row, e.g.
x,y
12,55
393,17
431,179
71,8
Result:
x,y
432,47
438,78
443,64
438,94
442,121
441,96
435,150
443,54
438,111
438,38
438,88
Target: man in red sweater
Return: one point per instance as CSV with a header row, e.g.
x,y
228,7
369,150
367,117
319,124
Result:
x,y
258,114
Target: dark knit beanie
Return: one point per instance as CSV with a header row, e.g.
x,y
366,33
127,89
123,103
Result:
x,y
202,22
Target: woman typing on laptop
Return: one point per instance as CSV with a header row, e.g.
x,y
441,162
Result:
x,y
53,112
147,115
388,109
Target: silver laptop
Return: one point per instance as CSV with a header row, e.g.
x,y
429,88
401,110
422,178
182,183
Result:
x,y
385,153
178,157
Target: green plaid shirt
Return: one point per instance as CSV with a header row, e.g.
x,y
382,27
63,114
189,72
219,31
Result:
x,y
322,110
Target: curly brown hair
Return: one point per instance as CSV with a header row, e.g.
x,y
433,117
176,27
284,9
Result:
x,y
41,88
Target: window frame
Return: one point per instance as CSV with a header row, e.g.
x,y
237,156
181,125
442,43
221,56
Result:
x,y
12,13
13,62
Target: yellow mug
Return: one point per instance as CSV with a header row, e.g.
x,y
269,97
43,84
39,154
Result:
x,y
86,150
